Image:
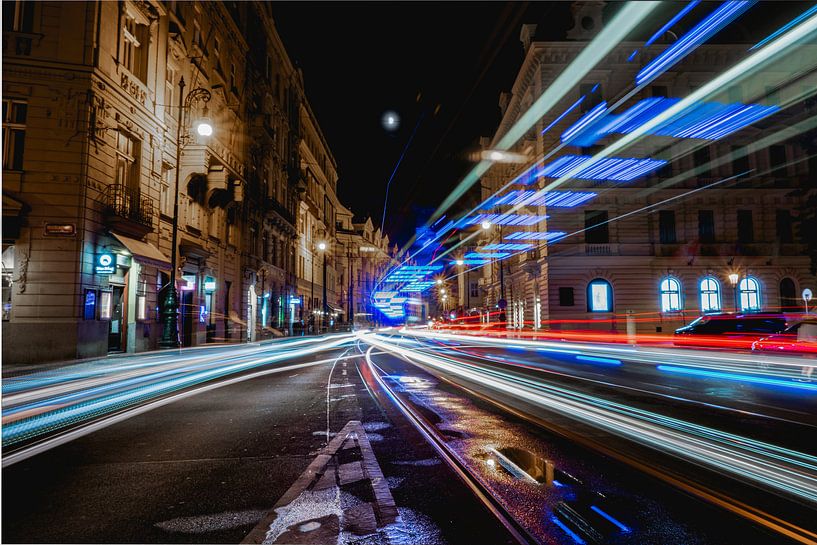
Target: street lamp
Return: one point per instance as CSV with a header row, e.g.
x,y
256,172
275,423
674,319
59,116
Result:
x,y
322,248
460,262
486,225
439,281
733,279
170,331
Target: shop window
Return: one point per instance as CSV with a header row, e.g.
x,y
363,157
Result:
x,y
15,113
141,301
710,295
749,292
89,305
670,295
105,305
8,281
599,296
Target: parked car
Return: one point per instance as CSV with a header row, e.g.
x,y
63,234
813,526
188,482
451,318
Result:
x,y
728,330
799,338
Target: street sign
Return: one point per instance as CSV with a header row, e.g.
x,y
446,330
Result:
x,y
806,295
105,264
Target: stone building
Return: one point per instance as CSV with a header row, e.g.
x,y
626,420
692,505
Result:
x,y
91,96
648,247
363,255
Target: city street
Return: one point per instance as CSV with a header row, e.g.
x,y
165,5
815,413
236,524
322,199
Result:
x,y
209,465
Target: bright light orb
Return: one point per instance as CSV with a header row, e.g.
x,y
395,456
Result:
x,y
497,156
391,121
321,246
486,224
204,127
439,281
460,262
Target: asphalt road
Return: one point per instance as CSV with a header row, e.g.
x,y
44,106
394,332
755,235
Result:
x,y
208,467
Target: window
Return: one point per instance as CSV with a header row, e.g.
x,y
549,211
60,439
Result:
x,y
788,296
599,296
745,227
217,55
783,224
566,298
701,158
133,50
193,214
233,79
595,224
710,295
127,171
666,226
15,113
197,35
167,193
749,291
740,161
592,92
670,295
18,15
706,226
8,281
659,91
777,159
170,91
474,289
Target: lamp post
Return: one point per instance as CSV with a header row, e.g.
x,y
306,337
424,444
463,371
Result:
x,y
325,309
170,331
733,280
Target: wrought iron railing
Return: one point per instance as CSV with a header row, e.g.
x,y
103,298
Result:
x,y
129,203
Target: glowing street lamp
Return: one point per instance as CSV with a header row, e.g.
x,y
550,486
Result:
x,y
733,279
486,225
439,281
460,262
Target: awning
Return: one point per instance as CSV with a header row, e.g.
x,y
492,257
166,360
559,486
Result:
x,y
188,248
144,252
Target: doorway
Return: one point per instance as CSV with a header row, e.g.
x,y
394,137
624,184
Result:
x,y
117,322
188,317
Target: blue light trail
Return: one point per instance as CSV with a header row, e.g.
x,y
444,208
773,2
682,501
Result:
x,y
753,379
607,168
794,22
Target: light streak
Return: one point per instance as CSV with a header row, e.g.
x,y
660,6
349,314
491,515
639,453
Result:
x,y
573,535
607,168
562,115
595,359
541,235
794,22
766,381
680,15
708,27
621,526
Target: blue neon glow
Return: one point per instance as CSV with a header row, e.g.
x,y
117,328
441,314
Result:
x,y
475,261
541,235
767,381
708,27
512,246
506,219
680,15
704,120
573,535
594,359
805,15
560,199
562,115
632,56
557,484
584,121
486,255
621,526
607,168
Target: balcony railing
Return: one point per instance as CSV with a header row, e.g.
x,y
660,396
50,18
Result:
x,y
129,210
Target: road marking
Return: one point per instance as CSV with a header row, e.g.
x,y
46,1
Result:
x,y
328,387
317,509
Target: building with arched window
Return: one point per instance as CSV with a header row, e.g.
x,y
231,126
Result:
x,y
710,294
670,263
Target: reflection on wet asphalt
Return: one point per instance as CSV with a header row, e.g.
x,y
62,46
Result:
x,y
560,493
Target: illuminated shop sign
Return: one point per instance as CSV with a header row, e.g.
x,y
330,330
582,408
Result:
x,y
105,263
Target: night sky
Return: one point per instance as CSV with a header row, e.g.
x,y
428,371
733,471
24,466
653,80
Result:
x,y
441,67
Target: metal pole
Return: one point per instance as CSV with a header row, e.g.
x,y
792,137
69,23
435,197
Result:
x,y
351,290
312,295
170,332
325,318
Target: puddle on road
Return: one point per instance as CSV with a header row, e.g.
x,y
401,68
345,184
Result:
x,y
215,522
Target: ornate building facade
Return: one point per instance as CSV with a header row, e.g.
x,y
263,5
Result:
x,y
654,248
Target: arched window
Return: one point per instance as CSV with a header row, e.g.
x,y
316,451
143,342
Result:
x,y
670,295
788,296
749,291
710,295
599,296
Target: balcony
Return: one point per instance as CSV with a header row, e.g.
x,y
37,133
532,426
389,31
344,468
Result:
x,y
127,211
597,249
